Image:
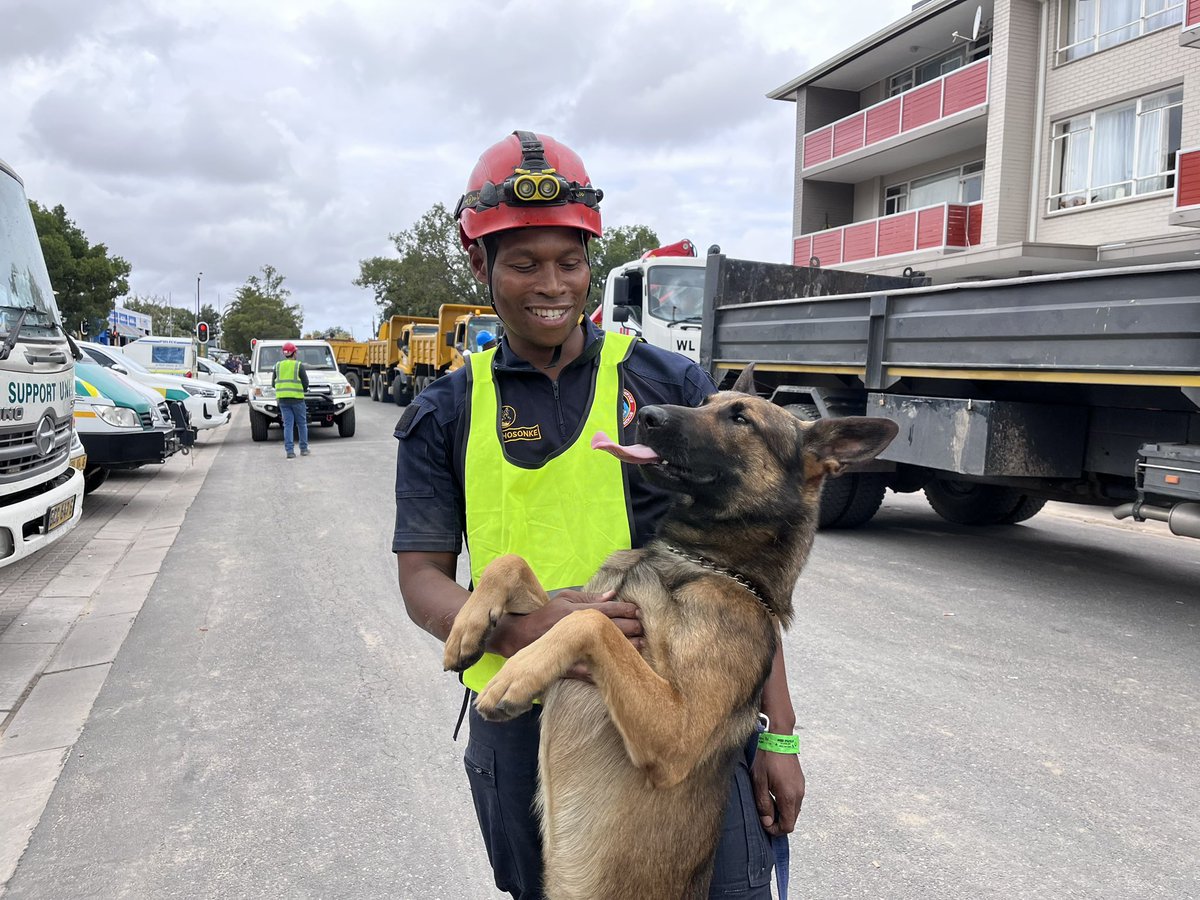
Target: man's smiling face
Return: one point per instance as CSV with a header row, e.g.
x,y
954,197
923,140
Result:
x,y
540,284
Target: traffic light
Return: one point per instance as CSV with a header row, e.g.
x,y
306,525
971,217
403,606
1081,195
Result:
x,y
202,332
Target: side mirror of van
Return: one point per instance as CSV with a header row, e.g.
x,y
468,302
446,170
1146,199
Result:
x,y
117,367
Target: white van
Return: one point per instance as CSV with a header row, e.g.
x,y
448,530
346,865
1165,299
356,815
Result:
x,y
164,355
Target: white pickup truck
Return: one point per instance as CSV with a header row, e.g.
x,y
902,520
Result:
x,y
330,397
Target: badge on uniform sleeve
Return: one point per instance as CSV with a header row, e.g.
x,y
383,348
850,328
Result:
x,y
628,407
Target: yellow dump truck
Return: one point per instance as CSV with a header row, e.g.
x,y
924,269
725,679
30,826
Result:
x,y
430,348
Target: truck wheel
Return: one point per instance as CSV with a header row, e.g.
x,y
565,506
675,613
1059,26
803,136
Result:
x,y
259,423
374,391
345,423
1026,509
93,477
847,501
355,381
969,503
398,392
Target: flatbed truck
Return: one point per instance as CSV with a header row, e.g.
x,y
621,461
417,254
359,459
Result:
x,y
1080,387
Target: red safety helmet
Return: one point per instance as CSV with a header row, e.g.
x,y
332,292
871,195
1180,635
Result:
x,y
528,180
289,348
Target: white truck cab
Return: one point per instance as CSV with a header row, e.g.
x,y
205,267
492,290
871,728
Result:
x,y
330,397
41,494
659,298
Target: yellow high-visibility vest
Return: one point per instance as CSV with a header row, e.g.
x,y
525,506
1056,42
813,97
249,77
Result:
x,y
563,517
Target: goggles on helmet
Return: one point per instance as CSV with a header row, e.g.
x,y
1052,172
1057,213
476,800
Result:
x,y
533,183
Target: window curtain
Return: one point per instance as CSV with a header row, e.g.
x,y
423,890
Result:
x,y
941,188
1119,21
1083,26
1157,129
1112,153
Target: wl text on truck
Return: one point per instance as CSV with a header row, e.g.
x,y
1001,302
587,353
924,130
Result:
x,y
41,495
1082,387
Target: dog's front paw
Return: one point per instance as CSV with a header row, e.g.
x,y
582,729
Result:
x,y
463,649
507,695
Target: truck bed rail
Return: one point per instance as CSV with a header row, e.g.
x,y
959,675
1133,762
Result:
x,y
1135,325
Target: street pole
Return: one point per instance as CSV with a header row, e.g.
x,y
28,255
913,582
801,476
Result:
x,y
196,324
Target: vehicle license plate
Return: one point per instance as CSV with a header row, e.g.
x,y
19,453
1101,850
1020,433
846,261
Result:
x,y
59,514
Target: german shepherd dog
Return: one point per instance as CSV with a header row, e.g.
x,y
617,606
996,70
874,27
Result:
x,y
634,769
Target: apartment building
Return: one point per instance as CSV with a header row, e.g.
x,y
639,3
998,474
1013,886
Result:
x,y
1008,137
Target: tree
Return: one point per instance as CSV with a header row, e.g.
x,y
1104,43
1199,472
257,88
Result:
x,y
431,269
86,280
336,333
260,309
619,245
166,319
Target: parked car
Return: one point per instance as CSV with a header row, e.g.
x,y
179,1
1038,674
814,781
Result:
x,y
206,404
121,423
237,384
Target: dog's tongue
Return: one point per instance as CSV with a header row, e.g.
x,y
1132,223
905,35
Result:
x,y
637,454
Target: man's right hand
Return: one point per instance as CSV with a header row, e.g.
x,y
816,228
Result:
x,y
514,632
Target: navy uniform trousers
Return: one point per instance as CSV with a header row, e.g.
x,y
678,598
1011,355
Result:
x,y
501,762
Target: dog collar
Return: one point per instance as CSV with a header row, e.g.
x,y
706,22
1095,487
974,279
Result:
x,y
738,577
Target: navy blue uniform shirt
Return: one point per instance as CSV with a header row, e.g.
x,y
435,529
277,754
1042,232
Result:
x,y
539,416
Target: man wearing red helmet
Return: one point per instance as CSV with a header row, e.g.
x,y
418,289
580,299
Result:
x,y
291,383
529,484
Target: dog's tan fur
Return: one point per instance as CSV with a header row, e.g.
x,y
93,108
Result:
x,y
635,768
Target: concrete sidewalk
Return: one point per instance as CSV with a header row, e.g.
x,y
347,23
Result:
x,y
63,616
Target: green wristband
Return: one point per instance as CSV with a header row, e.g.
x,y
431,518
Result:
x,y
778,743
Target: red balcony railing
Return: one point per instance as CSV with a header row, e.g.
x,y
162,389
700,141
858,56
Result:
x,y
1187,188
1190,36
946,226
962,89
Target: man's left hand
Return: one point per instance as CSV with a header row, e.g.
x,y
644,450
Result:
x,y
778,784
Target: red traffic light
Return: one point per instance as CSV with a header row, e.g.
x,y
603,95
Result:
x,y
202,332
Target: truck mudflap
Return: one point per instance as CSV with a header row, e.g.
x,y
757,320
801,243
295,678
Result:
x,y
34,518
184,432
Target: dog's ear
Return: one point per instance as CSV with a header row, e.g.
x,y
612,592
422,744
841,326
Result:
x,y
745,381
836,443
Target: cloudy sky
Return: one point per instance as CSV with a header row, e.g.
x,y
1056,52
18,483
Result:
x,y
217,136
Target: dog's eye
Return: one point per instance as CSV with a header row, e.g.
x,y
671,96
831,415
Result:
x,y
739,417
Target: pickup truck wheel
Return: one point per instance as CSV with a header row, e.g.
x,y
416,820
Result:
x,y
847,501
259,424
969,503
93,477
355,382
230,389
345,423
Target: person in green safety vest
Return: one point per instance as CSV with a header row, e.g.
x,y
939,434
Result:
x,y
497,452
291,383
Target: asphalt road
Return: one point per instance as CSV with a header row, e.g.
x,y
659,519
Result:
x,y
985,713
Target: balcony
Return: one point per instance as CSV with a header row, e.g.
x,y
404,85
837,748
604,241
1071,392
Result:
x,y
1190,35
955,98
1187,188
944,227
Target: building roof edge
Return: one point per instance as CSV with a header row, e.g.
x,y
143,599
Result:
x,y
918,15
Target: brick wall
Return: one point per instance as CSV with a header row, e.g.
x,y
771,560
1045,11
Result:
x,y
1011,114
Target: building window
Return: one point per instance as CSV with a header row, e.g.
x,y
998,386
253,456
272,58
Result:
x,y
961,185
1094,25
1117,152
943,64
